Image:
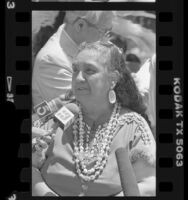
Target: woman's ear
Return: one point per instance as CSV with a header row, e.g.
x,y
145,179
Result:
x,y
115,77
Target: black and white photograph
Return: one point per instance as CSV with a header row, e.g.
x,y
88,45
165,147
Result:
x,y
94,102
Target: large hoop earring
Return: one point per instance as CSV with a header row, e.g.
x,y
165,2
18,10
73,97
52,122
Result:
x,y
112,96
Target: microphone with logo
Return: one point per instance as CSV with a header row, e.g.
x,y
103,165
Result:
x,y
45,110
64,114
127,176
63,119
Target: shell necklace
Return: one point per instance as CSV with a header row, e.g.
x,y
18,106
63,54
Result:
x,y
91,157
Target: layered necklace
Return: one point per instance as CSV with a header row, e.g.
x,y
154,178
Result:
x,y
91,156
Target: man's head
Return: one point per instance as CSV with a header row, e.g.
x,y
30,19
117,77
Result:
x,y
88,26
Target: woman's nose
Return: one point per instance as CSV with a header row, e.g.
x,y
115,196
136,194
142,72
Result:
x,y
80,76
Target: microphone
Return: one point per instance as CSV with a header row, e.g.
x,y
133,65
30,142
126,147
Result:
x,y
62,118
66,115
45,110
127,176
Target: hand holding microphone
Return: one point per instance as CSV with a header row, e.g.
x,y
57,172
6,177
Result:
x,y
63,116
39,149
41,139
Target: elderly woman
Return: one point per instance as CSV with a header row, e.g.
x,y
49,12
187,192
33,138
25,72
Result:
x,y
81,161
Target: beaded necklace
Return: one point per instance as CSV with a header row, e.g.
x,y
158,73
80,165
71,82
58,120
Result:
x,y
91,158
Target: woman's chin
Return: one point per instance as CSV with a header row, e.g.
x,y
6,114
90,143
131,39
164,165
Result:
x,y
81,95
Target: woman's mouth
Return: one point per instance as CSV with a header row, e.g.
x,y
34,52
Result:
x,y
81,88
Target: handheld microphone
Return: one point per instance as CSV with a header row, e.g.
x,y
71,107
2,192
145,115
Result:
x,y
127,176
66,115
45,110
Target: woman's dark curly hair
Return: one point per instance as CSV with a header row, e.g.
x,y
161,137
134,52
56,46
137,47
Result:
x,y
126,90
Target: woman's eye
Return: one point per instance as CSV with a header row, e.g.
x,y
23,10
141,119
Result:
x,y
90,71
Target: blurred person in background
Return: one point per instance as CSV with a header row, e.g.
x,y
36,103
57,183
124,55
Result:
x,y
44,25
133,62
145,79
52,71
138,30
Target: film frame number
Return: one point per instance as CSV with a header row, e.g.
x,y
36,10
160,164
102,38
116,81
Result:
x,y
10,95
11,4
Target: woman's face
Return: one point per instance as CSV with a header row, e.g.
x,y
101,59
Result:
x,y
90,81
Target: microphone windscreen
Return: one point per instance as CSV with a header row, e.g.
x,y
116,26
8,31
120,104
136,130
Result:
x,y
66,115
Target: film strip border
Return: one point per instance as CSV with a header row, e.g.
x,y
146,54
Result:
x,y
169,100
18,98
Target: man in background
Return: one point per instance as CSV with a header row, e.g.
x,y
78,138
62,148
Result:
x,y
52,71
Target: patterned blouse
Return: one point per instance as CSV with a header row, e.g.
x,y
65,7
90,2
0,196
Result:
x,y
59,170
